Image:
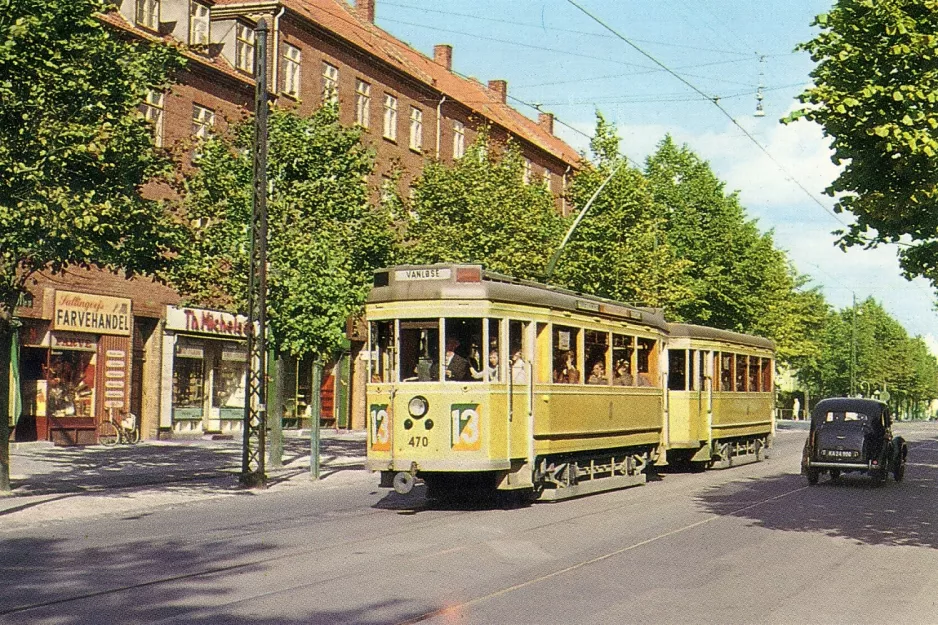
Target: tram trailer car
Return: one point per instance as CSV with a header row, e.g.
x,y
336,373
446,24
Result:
x,y
481,381
720,398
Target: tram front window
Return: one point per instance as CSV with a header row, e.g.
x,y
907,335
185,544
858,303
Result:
x,y
382,350
420,350
466,355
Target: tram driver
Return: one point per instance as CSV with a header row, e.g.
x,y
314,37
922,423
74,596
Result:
x,y
457,367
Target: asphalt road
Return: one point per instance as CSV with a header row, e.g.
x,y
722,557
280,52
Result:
x,y
752,544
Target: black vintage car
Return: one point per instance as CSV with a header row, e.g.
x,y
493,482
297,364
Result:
x,y
852,434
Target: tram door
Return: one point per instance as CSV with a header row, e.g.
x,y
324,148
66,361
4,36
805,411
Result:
x,y
520,371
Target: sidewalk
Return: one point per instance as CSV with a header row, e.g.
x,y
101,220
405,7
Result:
x,y
57,483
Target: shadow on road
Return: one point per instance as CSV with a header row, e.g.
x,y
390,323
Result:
x,y
853,507
151,581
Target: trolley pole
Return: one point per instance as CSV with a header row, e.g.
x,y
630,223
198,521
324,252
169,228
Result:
x,y
255,402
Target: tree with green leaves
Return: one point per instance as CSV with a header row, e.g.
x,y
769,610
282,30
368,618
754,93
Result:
x,y
621,248
738,279
74,153
866,345
875,93
480,210
324,236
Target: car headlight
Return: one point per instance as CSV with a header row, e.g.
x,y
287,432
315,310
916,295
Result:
x,y
418,407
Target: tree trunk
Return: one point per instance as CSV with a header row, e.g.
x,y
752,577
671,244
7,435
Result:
x,y
6,344
275,395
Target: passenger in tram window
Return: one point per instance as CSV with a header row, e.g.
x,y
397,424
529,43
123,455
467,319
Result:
x,y
568,374
457,367
518,374
622,375
488,373
597,374
644,379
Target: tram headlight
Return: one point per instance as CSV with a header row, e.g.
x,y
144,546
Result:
x,y
418,407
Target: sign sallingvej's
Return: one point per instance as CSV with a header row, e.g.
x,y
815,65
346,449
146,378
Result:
x,y
98,314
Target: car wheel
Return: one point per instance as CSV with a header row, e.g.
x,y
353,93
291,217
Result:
x,y
835,475
813,476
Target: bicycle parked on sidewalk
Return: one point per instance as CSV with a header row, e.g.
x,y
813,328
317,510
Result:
x,y
118,430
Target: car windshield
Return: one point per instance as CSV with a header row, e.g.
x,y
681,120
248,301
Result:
x,y
843,417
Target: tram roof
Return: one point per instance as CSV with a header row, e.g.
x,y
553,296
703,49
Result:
x,y
691,331
454,282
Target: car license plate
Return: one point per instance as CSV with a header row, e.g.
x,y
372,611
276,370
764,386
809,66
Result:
x,y
839,453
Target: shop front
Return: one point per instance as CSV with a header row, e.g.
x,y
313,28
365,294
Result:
x,y
205,364
74,369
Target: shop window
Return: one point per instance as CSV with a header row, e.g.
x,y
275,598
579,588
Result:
x,y
566,354
228,381
596,346
70,379
188,381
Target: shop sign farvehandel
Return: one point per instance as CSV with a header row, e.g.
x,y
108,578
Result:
x,y
84,312
200,321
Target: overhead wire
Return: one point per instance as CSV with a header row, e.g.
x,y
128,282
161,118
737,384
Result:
x,y
715,101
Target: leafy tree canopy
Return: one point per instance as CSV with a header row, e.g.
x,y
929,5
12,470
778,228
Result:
x,y
324,237
480,210
73,149
620,249
876,95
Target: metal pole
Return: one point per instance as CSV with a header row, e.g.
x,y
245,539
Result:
x,y
576,222
316,407
853,347
255,402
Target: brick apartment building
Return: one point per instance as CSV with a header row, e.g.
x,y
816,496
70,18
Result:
x,y
136,350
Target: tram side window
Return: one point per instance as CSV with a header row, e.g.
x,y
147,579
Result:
x,y
696,369
677,367
420,350
767,375
566,357
463,347
741,366
596,345
622,349
518,351
647,356
382,351
487,365
754,375
726,372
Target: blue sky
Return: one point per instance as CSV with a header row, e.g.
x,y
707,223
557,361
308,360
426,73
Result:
x,y
554,55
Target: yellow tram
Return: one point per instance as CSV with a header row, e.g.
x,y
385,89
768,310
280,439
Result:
x,y
720,400
478,380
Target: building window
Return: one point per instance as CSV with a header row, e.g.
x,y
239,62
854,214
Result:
x,y
547,179
527,171
459,139
390,117
244,48
362,103
291,70
416,129
148,13
330,83
198,24
203,120
153,113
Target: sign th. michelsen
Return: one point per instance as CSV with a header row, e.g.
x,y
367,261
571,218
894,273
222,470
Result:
x,y
99,314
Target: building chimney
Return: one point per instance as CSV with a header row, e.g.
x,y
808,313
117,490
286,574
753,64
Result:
x,y
500,87
546,121
443,55
366,9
